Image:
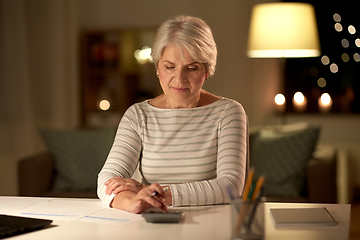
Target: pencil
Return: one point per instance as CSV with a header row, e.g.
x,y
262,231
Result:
x,y
244,211
248,185
258,186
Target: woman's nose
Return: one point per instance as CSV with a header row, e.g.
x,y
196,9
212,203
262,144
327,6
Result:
x,y
180,75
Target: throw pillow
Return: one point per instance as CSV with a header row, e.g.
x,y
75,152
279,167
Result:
x,y
79,156
281,153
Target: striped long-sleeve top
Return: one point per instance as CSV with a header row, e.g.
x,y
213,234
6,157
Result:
x,y
198,152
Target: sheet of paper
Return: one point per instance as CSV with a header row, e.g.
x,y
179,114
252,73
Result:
x,y
112,216
89,210
15,205
63,209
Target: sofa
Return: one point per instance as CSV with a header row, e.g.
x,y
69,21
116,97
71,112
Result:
x,y
321,180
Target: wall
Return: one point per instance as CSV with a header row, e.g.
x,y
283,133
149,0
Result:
x,y
50,54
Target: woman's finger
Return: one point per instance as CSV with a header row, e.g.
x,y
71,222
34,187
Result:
x,y
118,184
111,186
155,196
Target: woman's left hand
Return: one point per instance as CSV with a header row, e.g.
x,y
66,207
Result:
x,y
119,184
149,196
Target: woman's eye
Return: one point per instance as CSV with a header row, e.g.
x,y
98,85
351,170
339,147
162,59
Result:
x,y
192,68
169,67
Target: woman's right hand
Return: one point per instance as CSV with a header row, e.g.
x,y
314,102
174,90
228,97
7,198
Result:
x,y
119,184
138,202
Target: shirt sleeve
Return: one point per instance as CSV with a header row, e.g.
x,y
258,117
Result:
x,y
232,164
124,155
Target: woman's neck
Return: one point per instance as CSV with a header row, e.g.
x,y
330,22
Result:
x,y
166,102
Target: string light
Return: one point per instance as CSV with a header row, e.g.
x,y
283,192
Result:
x,y
345,43
337,17
334,68
357,42
321,82
325,60
338,27
345,57
351,29
357,57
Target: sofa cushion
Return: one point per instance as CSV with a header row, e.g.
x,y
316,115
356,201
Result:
x,y
281,153
79,156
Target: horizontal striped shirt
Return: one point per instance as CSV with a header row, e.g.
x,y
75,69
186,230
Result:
x,y
198,152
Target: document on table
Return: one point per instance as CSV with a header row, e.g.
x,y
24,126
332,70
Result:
x,y
65,209
14,205
287,217
112,216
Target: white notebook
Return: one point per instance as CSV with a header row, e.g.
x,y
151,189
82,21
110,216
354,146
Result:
x,y
302,217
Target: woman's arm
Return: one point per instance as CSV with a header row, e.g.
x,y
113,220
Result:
x,y
138,202
122,159
117,185
231,166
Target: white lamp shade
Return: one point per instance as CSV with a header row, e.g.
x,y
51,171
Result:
x,y
283,30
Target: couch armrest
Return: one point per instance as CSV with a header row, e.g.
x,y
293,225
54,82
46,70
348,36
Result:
x,y
35,174
321,171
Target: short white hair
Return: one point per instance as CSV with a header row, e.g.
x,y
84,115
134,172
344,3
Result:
x,y
190,33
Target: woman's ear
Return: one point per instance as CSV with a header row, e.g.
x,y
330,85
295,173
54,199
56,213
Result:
x,y
157,70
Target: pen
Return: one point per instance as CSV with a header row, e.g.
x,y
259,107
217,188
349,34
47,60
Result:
x,y
155,193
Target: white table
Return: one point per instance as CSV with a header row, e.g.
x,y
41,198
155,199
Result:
x,y
208,222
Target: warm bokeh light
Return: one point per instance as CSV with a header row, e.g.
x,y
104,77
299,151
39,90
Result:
x,y
338,27
357,42
279,99
334,68
345,43
299,102
351,29
321,82
325,60
299,97
325,99
357,57
104,105
143,55
325,103
345,57
337,17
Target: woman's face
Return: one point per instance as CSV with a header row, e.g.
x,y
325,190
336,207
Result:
x,y
181,78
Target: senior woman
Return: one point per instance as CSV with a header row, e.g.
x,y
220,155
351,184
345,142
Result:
x,y
190,144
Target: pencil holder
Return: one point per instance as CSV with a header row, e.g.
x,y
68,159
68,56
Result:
x,y
247,219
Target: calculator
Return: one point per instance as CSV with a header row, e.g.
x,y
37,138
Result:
x,y
173,216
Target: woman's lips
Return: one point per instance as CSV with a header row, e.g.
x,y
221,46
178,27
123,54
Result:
x,y
180,89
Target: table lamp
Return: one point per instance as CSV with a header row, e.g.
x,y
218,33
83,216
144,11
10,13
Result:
x,y
283,30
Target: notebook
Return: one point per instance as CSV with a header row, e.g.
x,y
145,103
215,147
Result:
x,y
302,217
11,225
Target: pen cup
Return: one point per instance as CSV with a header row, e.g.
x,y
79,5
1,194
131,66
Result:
x,y
247,219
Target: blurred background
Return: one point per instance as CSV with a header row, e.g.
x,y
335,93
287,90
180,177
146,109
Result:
x,y
60,59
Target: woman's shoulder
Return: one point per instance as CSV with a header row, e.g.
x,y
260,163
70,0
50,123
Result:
x,y
137,108
230,103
